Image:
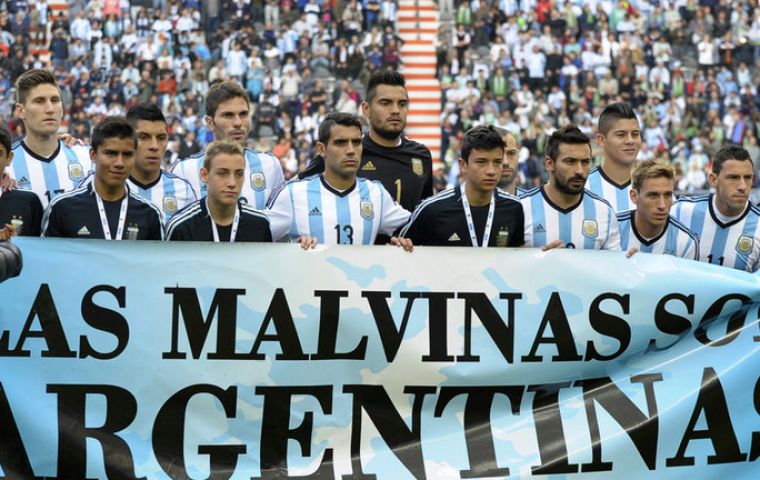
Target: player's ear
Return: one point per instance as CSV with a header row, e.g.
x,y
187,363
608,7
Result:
x,y
548,163
209,121
600,139
19,108
321,149
462,166
204,175
634,195
92,154
365,109
713,179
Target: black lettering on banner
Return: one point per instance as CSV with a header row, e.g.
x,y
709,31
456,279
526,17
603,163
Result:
x,y
641,429
754,451
671,323
14,461
478,433
552,447
609,325
501,333
555,317
287,336
50,329
106,320
438,326
712,403
390,336
169,433
734,325
120,411
276,431
404,442
329,314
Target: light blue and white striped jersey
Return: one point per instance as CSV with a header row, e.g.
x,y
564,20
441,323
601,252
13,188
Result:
x,y
617,195
170,193
675,238
590,224
354,216
735,244
263,175
49,177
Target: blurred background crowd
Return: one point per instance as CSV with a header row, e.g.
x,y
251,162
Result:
x,y
688,67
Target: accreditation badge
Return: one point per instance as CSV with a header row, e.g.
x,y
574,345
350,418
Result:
x,y
75,171
366,210
258,182
744,244
502,238
417,166
170,205
590,229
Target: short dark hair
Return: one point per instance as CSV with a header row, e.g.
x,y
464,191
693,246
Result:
x,y
221,92
729,151
144,111
5,137
383,77
481,138
612,113
112,127
33,78
220,147
567,134
337,118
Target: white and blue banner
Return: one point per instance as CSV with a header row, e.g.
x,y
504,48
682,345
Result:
x,y
126,360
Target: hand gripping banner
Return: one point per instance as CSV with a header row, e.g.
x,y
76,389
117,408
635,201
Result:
x,y
127,360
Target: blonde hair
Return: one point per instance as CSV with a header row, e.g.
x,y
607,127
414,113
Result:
x,y
220,147
653,168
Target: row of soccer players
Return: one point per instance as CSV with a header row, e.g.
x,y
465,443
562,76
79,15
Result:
x,y
725,221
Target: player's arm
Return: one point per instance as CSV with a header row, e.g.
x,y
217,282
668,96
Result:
x,y
280,213
613,234
35,218
416,229
392,215
692,249
278,177
52,222
178,229
527,227
156,231
427,188
518,239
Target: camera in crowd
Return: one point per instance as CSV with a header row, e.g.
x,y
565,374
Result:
x,y
10,261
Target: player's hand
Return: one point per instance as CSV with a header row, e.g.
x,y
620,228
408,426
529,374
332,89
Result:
x,y
7,232
552,245
70,141
630,252
307,242
7,183
405,243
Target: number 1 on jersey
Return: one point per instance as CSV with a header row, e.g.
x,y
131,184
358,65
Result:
x,y
397,182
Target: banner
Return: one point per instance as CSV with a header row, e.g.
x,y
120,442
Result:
x,y
128,360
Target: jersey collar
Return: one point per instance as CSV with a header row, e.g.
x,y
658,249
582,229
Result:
x,y
334,191
643,240
146,186
557,207
714,215
40,157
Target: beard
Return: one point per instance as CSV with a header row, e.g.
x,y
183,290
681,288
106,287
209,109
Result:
x,y
388,133
565,187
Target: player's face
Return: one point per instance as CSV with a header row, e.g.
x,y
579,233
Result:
x,y
343,151
387,111
653,200
732,186
509,166
483,169
622,143
5,159
113,161
570,171
232,120
224,178
42,111
152,140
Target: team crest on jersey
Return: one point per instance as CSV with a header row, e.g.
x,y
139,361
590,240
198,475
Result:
x,y
258,182
18,225
132,232
170,204
590,229
744,244
75,171
366,210
417,166
502,238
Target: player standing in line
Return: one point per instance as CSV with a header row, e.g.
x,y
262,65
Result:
x,y
510,174
619,135
336,207
727,224
106,208
44,164
474,213
562,209
228,115
650,228
220,216
20,211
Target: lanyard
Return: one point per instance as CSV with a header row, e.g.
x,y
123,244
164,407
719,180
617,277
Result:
x,y
104,220
235,222
471,224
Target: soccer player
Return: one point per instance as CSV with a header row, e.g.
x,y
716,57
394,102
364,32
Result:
x,y
106,208
228,116
650,228
44,164
220,216
619,135
726,223
475,213
509,168
20,211
336,207
562,209
403,166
